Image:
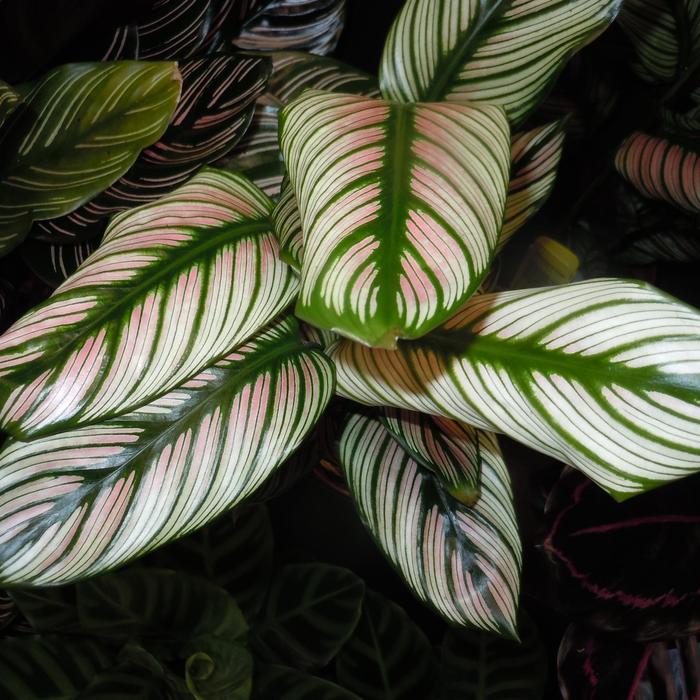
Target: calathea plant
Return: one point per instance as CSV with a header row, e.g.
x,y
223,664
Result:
x,y
167,378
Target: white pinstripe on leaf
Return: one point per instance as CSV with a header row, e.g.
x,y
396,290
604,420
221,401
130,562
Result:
x,y
604,375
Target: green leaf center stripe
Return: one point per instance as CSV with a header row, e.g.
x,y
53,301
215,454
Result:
x,y
501,52
174,286
610,388
465,562
105,494
400,208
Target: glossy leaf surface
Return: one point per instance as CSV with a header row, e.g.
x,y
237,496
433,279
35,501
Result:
x,y
86,500
401,208
603,375
174,285
462,561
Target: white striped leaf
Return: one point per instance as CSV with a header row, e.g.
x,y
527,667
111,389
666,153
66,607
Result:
x,y
661,169
302,25
463,561
82,127
54,264
174,285
666,37
9,101
401,206
604,375
213,113
502,52
79,502
448,448
287,220
535,157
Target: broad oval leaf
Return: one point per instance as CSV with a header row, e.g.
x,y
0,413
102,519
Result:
x,y
401,206
502,52
82,127
448,448
661,169
463,561
482,666
603,374
545,263
212,114
535,157
311,611
285,683
174,285
83,501
388,656
9,101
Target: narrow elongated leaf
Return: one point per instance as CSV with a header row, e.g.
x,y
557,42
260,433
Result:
x,y
308,25
213,113
604,375
82,128
388,656
482,666
401,206
9,101
502,52
464,562
79,502
284,683
535,157
311,611
174,285
36,669
448,448
661,169
53,263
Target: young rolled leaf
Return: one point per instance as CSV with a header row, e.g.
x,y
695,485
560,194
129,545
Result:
x,y
175,285
287,221
311,611
82,127
545,263
86,500
388,656
604,375
661,169
401,206
219,669
462,561
214,111
484,666
285,683
9,101
500,52
448,448
535,157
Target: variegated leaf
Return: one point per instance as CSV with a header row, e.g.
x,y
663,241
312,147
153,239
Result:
x,y
86,500
212,114
501,52
604,375
401,206
287,220
661,169
448,448
674,246
535,157
98,117
665,35
464,562
53,263
9,101
302,25
174,285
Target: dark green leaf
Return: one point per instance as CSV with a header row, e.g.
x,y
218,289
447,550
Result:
x,y
219,669
283,683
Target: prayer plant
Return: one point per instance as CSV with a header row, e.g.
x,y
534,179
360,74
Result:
x,y
238,233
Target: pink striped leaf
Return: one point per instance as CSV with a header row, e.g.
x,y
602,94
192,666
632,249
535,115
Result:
x,y
83,126
401,206
287,220
500,52
463,561
213,113
603,375
448,448
89,499
174,285
535,157
661,169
